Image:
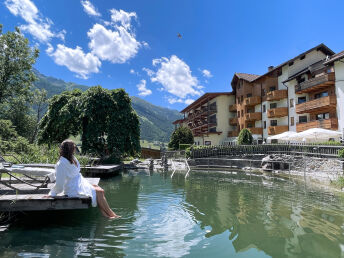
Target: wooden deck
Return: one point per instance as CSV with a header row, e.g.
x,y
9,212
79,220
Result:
x,y
29,199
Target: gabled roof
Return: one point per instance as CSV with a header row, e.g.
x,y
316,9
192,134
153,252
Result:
x,y
247,76
203,99
335,58
321,47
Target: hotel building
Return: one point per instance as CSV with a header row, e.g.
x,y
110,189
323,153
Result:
x,y
304,92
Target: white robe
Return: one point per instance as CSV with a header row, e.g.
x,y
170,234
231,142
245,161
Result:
x,y
70,181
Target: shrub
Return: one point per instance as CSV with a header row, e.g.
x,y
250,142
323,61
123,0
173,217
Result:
x,y
184,146
341,153
180,136
245,137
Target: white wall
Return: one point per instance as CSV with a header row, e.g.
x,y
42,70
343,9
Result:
x,y
339,72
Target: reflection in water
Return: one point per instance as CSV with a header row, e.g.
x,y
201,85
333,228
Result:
x,y
205,215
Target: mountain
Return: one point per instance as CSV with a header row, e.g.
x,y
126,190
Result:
x,y
155,122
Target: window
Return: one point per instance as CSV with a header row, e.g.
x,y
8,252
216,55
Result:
x,y
302,119
212,106
238,113
264,108
264,124
272,88
212,130
242,112
321,94
291,103
249,125
250,110
249,95
273,122
322,116
212,119
301,100
207,143
292,121
300,80
273,105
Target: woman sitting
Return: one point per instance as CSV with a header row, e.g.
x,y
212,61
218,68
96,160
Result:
x,y
70,181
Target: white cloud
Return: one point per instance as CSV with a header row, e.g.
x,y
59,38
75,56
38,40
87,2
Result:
x,y
116,46
173,100
132,71
145,44
143,91
206,73
75,60
122,17
89,8
148,71
37,26
176,78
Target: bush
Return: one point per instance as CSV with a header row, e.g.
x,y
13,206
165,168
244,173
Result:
x,y
341,153
184,146
245,137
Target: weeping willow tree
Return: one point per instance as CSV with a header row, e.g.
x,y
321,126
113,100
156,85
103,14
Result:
x,y
108,125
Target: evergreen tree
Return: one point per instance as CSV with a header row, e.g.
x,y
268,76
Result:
x,y
182,135
245,137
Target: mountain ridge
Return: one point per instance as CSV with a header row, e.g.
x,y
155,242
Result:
x,y
155,121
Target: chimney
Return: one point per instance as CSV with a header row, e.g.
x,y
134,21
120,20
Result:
x,y
270,68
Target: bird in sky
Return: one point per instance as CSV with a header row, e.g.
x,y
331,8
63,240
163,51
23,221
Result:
x,y
179,35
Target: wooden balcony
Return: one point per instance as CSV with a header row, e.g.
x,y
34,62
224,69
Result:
x,y
253,116
233,121
233,134
315,83
256,130
252,101
233,108
277,112
317,105
273,130
330,124
276,95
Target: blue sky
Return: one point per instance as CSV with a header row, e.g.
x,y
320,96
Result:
x,y
134,44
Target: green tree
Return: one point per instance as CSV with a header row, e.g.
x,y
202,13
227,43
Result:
x,y
108,125
62,118
245,137
182,135
40,103
16,60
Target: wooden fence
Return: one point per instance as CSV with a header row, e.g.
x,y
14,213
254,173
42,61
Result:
x,y
321,151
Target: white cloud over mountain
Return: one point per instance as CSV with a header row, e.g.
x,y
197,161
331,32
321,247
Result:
x,y
38,26
143,91
89,8
176,78
75,60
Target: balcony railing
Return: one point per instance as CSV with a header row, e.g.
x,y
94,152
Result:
x,y
252,101
233,108
233,134
272,130
202,112
277,112
233,121
315,105
276,95
253,116
256,130
330,124
315,83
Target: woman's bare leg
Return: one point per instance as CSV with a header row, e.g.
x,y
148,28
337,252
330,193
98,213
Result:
x,y
103,204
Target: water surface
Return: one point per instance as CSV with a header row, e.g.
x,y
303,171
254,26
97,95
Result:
x,y
207,215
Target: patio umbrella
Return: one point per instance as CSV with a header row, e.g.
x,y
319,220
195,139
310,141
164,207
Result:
x,y
282,136
315,135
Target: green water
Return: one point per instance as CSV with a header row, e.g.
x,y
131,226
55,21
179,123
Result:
x,y
204,216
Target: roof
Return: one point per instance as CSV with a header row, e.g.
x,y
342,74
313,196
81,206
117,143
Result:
x,y
335,57
322,47
311,68
247,76
205,98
